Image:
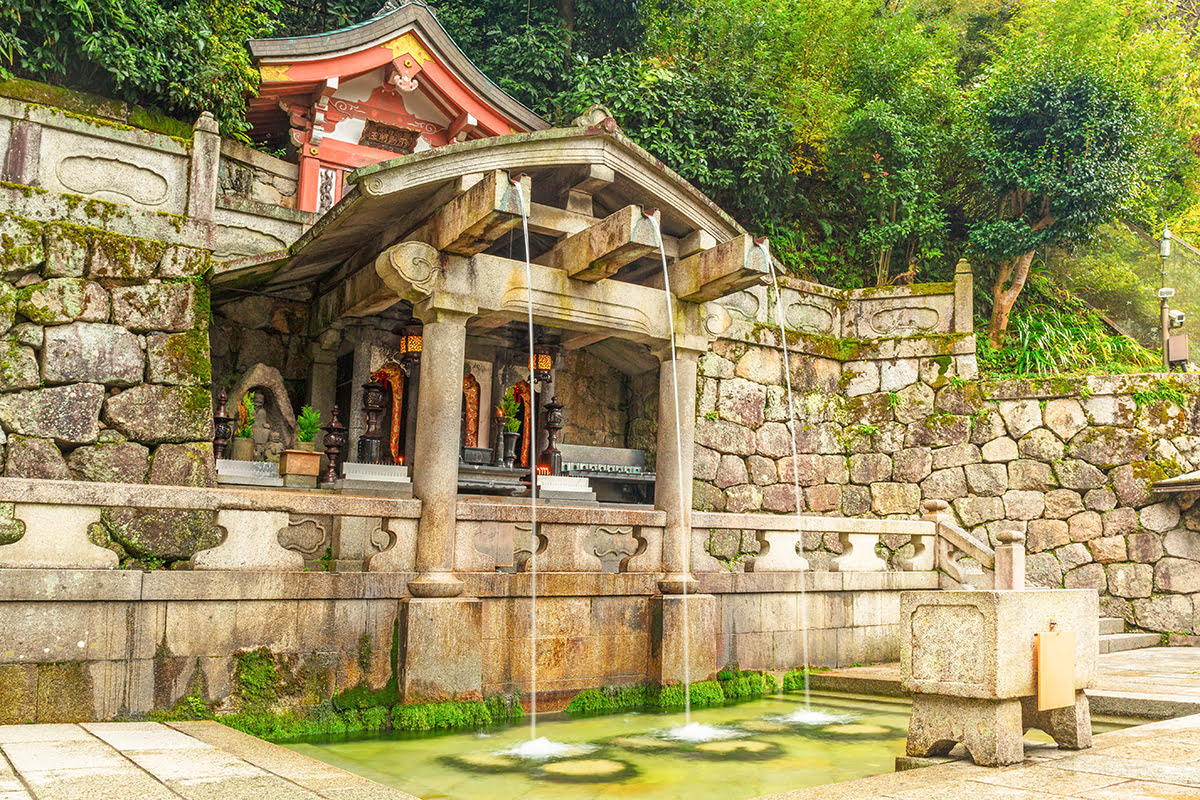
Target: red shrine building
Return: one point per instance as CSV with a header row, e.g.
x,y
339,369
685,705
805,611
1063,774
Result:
x,y
393,85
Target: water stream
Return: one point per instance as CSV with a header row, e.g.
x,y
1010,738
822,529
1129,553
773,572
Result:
x,y
791,406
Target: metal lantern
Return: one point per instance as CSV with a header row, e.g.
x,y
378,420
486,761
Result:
x,y
541,365
411,343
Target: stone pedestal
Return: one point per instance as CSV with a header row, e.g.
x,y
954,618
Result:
x,y
666,638
443,649
968,659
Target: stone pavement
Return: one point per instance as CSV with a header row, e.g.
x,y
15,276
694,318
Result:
x,y
1158,761
1152,683
151,761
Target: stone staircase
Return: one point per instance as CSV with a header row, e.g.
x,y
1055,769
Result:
x,y
1113,638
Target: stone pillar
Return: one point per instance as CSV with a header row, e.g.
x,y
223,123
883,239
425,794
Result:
x,y
667,638
673,487
443,648
205,163
964,297
322,389
435,460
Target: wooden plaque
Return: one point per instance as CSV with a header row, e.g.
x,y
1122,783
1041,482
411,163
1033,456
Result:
x,y
1054,652
388,137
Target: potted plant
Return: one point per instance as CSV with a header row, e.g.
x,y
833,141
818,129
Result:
x,y
243,441
301,465
510,410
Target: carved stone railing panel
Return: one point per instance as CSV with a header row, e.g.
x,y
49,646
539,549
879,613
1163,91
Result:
x,y
310,536
614,545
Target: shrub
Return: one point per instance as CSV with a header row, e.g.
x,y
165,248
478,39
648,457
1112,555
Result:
x,y
307,424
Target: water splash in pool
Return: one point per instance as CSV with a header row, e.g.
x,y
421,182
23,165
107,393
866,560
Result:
x,y
542,749
695,732
805,716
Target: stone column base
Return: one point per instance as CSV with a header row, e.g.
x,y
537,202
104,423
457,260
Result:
x,y
1069,727
991,730
443,649
666,638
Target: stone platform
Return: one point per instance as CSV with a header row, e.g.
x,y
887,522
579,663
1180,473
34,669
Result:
x,y
151,761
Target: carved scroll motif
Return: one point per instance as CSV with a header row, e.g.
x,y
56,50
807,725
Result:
x,y
308,536
410,269
614,545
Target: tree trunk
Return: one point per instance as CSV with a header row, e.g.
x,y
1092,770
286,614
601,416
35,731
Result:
x,y
1004,297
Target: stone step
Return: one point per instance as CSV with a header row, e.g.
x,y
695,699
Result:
x,y
1116,642
1111,625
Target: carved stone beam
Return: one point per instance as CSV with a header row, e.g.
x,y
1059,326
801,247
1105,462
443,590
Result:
x,y
581,340
578,186
602,249
559,222
729,267
472,221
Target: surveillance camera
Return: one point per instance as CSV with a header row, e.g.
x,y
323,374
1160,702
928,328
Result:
x,y
1177,318
1165,293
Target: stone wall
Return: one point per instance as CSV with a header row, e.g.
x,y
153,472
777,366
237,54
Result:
x,y
901,421
104,372
595,399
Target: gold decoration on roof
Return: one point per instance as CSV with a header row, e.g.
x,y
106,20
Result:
x,y
407,43
275,73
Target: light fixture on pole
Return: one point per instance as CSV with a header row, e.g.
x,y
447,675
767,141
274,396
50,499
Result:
x,y
411,343
1164,296
541,364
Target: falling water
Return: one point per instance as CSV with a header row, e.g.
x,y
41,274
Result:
x,y
787,376
533,540
685,540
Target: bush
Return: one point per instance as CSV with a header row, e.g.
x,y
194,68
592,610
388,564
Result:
x,y
447,714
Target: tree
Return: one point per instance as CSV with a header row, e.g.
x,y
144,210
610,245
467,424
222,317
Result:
x,y
1057,146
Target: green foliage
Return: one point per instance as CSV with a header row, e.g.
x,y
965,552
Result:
x,y
701,693
245,417
1162,391
255,679
1045,340
452,714
738,685
511,410
307,424
181,57
613,698
795,679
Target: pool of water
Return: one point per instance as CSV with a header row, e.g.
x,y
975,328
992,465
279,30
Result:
x,y
765,750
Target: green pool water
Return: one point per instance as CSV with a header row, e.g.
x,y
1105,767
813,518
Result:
x,y
765,756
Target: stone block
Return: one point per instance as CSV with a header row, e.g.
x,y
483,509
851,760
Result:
x,y
914,404
165,307
1130,580
1087,576
731,471
979,644
1108,549
761,365
18,367
809,469
836,470
22,245
978,510
28,334
62,300
939,431
1064,417
743,498
251,543
987,426
1086,526
1023,505
824,438
955,456
1041,445
18,693
117,462
89,352
65,692
1020,416
1105,446
1132,483
824,498
1182,544
705,462
1046,534
728,437
1145,548
1063,504
912,464
178,358
1178,575
712,365
868,468
666,637
1043,569
989,730
742,402
1000,450
1072,555
762,470
856,501
1160,517
1100,500
896,375
945,484
152,414
1030,475
1118,522
35,458
895,498
56,537
860,377
70,415
1168,613
183,262
1079,475
116,257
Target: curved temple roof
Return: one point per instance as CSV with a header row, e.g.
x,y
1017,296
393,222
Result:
x,y
301,64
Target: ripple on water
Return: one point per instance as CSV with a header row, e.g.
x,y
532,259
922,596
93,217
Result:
x,y
695,732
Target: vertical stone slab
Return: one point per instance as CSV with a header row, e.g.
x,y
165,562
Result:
x,y
202,172
251,542
964,297
667,638
443,649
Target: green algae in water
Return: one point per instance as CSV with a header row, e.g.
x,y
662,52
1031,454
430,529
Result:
x,y
770,757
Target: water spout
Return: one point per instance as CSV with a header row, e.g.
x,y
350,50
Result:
x,y
533,525
787,379
684,517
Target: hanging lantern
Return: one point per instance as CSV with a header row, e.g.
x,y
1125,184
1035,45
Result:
x,y
541,365
411,343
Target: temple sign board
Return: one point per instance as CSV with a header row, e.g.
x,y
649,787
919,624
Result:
x,y
393,85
